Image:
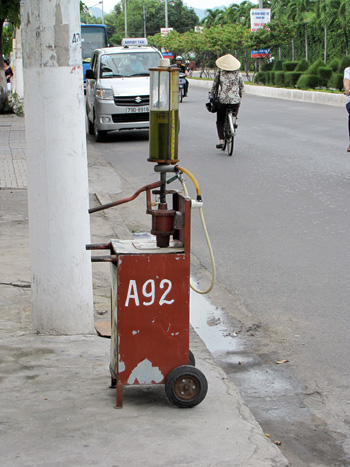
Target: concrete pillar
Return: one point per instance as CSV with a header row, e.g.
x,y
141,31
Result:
x,y
17,64
59,225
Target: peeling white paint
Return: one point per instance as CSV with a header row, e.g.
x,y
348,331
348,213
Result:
x,y
121,366
145,373
135,332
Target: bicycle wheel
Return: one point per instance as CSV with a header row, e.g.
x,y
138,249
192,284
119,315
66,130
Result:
x,y
229,132
230,145
226,132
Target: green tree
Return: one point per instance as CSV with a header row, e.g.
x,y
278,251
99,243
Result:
x,y
180,17
272,35
301,11
9,11
344,19
327,11
210,18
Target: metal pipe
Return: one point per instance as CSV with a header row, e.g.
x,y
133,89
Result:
x,y
126,200
164,168
104,259
99,246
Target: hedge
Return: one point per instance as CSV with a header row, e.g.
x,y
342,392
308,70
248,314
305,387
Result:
x,y
313,69
277,65
336,81
260,77
267,66
303,65
308,81
344,64
279,78
334,64
289,66
291,78
325,74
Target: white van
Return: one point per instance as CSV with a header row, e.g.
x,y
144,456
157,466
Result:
x,y
117,87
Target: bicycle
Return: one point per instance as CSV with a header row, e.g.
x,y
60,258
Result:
x,y
230,128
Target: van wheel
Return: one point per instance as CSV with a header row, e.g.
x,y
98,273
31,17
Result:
x,y
99,135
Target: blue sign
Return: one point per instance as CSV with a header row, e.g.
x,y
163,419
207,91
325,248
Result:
x,y
260,53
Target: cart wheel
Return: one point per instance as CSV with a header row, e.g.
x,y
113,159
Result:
x,y
113,383
191,359
186,386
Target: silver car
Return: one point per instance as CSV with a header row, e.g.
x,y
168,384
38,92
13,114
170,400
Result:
x,y
117,89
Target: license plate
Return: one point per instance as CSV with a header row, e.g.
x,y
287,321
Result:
x,y
136,110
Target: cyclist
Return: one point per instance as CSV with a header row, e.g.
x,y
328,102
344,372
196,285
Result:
x,y
228,86
183,69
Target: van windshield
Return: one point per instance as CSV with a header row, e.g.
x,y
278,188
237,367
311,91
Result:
x,y
128,64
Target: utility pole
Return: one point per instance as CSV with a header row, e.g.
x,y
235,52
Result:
x,y
144,19
126,20
58,200
166,13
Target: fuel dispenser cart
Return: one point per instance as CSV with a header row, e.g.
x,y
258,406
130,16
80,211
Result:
x,y
151,278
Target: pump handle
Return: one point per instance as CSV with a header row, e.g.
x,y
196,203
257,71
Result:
x,y
126,200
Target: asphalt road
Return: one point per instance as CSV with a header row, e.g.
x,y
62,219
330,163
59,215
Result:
x,y
277,212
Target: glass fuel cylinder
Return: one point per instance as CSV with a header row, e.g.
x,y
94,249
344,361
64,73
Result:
x,y
164,114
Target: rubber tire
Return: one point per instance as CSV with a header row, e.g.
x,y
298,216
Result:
x,y
230,145
186,386
191,359
181,94
99,135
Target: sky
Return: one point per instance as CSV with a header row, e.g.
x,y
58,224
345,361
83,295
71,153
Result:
x,y
108,5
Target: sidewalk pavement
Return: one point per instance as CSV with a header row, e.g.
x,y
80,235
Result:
x,y
311,97
56,404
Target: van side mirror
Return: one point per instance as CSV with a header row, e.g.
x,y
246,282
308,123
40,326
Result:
x,y
90,74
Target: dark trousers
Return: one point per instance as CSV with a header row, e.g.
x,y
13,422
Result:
x,y
348,109
220,118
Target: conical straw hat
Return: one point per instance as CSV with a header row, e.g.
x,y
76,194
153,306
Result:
x,y
228,63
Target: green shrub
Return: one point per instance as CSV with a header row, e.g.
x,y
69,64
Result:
x,y
344,64
289,66
334,64
325,73
291,78
303,65
313,69
267,66
270,77
277,65
336,81
307,81
260,77
279,78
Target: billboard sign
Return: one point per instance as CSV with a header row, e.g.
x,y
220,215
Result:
x,y
165,31
258,18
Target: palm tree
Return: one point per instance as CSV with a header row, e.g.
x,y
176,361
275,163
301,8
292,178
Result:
x,y
244,12
327,12
301,11
344,19
211,17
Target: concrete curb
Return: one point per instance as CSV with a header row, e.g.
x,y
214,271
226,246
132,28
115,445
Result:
x,y
312,97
